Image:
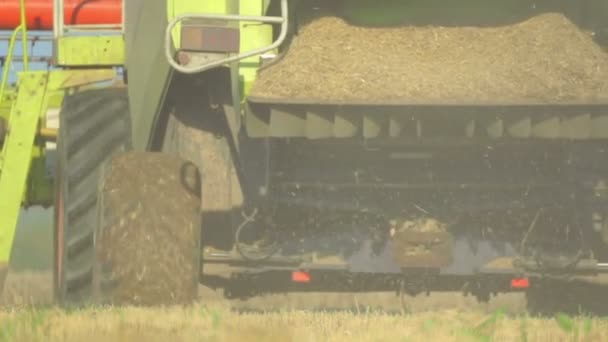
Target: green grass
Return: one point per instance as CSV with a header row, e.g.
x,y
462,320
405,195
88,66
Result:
x,y
220,323
28,315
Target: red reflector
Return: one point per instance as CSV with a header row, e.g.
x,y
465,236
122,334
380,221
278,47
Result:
x,y
520,283
300,277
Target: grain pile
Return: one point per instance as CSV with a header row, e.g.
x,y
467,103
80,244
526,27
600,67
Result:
x,y
420,242
422,225
545,58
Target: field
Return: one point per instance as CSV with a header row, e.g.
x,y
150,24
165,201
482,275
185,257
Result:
x,y
29,316
27,313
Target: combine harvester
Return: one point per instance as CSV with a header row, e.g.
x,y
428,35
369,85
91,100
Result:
x,y
194,146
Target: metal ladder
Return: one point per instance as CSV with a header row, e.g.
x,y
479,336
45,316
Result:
x,y
10,55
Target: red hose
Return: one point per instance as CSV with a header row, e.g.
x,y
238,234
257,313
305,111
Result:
x,y
39,13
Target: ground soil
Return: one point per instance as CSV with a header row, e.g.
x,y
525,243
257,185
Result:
x,y
546,58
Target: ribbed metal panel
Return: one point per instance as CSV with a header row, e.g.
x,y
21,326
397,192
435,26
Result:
x,y
324,122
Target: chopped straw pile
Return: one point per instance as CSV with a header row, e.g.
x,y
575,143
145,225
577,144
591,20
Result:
x,y
545,58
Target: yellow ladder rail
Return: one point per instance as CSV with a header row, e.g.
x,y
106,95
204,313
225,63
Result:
x,y
11,50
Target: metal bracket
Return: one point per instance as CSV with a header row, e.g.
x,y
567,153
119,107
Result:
x,y
283,20
60,28
86,45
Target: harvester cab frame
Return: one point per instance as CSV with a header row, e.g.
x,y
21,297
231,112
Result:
x,y
173,167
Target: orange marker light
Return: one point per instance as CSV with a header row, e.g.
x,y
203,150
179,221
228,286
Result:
x,y
520,283
300,277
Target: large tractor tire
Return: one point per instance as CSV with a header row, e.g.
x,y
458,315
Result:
x,y
94,125
200,133
127,225
148,232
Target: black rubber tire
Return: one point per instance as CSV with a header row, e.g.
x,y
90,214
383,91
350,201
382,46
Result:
x,y
199,133
94,125
149,230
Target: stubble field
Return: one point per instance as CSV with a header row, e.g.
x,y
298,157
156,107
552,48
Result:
x,y
28,315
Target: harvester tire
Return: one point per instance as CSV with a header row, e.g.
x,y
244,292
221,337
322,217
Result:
x,y
148,231
94,125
